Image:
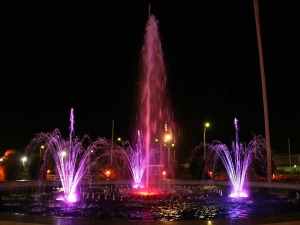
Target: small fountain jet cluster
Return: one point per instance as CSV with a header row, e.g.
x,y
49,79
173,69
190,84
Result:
x,y
237,160
72,156
137,161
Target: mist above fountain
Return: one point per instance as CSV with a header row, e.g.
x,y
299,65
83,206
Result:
x,y
154,110
237,160
72,157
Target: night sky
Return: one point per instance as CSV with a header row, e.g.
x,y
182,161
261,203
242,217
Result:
x,y
58,55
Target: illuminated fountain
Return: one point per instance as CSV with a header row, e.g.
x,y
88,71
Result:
x,y
72,157
137,162
115,200
154,107
237,160
136,159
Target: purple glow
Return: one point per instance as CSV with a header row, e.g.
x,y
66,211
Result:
x,y
137,162
68,198
154,108
72,157
238,194
136,158
238,160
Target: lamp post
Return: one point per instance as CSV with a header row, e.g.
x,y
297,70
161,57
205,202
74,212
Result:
x,y
107,174
24,174
164,174
164,140
24,159
160,149
42,147
122,142
168,137
173,145
206,125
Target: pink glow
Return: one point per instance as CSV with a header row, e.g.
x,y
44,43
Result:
x,y
154,108
144,191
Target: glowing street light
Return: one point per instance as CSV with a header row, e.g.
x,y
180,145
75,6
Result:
x,y
24,159
206,125
107,174
63,153
122,142
173,145
42,147
165,139
168,137
164,174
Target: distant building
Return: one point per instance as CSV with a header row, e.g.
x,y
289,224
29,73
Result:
x,y
287,164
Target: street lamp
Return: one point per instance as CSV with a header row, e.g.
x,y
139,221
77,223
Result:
x,y
42,147
168,138
173,145
24,160
24,174
122,142
206,125
160,153
107,174
63,154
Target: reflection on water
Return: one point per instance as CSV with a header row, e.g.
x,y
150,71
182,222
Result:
x,y
178,202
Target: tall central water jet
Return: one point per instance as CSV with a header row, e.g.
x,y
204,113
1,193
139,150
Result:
x,y
154,107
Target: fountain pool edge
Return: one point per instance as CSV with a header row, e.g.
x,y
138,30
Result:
x,y
281,219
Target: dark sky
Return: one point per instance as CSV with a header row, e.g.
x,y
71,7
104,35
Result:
x,y
58,55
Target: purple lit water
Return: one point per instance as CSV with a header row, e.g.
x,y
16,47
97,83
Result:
x,y
178,202
137,162
237,160
72,157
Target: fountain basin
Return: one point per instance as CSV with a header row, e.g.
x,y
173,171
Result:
x,y
177,201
